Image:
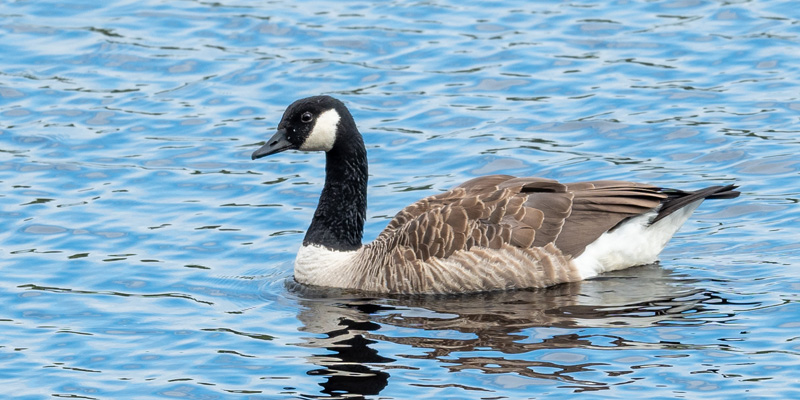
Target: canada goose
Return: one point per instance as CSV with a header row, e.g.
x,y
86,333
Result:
x,y
490,233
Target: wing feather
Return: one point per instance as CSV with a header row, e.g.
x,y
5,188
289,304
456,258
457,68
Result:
x,y
492,211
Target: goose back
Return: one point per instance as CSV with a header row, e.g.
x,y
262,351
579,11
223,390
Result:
x,y
499,232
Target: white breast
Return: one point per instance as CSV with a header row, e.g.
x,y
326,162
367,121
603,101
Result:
x,y
321,266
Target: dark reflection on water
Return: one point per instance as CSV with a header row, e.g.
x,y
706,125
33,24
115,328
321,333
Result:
x,y
348,368
500,323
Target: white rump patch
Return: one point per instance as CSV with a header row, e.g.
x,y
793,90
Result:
x,y
635,242
323,135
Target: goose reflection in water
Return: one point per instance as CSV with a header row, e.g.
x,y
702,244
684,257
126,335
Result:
x,y
347,327
348,369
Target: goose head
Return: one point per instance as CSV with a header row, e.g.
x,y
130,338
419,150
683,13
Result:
x,y
317,123
322,123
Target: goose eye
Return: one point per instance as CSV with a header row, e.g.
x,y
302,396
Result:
x,y
306,117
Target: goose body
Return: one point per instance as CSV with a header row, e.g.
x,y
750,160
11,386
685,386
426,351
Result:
x,y
495,232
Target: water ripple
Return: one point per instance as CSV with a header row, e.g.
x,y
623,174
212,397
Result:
x,y
145,255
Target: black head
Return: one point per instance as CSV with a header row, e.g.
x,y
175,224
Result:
x,y
310,124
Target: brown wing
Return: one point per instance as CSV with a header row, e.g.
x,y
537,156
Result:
x,y
478,185
495,210
599,206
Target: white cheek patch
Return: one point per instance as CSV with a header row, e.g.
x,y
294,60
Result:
x,y
323,135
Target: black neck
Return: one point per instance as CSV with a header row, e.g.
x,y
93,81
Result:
x,y
339,219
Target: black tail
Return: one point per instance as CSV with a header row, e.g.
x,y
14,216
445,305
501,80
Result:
x,y
677,199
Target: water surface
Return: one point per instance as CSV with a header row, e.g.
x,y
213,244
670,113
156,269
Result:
x,y
144,255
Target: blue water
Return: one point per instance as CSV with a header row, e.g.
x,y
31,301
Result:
x,y
144,255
